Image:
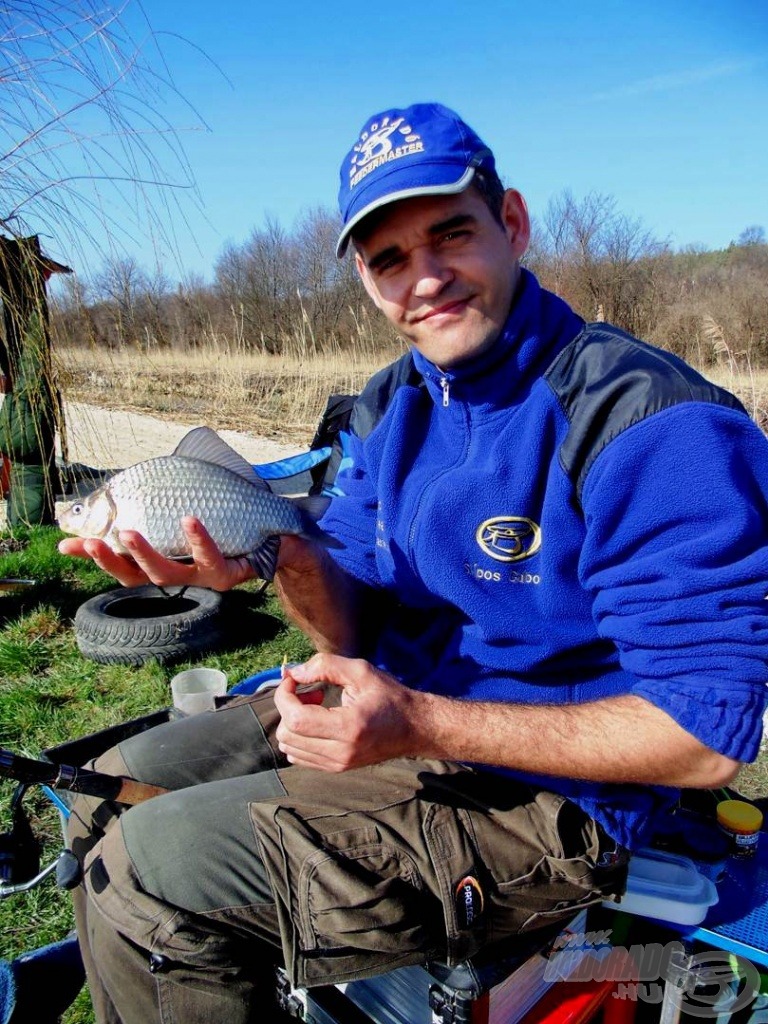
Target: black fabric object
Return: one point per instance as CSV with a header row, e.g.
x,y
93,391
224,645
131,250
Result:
x,y
334,419
606,380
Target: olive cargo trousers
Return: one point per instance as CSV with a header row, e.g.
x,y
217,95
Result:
x,y
188,900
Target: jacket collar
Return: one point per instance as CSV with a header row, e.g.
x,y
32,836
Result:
x,y
539,326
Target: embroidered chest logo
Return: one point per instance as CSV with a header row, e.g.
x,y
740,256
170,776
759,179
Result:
x,y
376,147
509,538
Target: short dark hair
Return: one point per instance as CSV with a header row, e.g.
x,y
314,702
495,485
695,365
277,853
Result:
x,y
489,187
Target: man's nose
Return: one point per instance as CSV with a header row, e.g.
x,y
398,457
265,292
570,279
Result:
x,y
431,274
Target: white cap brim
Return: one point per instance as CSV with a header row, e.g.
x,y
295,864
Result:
x,y
452,188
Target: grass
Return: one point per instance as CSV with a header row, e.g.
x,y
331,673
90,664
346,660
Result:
x,y
279,397
49,694
749,385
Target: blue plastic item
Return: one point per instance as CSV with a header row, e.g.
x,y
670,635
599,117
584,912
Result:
x,y
38,986
739,922
252,683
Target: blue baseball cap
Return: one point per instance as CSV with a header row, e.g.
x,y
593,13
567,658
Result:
x,y
422,150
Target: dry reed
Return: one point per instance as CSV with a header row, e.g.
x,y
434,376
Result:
x,y
279,397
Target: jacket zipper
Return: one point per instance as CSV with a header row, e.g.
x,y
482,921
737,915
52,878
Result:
x,y
445,384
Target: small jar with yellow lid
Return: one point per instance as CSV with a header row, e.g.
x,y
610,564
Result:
x,y
741,822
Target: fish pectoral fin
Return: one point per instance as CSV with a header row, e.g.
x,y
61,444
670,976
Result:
x,y
205,445
264,558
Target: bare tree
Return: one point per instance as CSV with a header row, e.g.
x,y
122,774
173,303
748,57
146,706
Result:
x,y
329,287
599,259
119,287
753,235
86,152
259,282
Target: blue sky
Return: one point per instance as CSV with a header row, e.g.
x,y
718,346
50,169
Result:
x,y
663,105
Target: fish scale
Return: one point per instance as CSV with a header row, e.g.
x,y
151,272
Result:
x,y
238,515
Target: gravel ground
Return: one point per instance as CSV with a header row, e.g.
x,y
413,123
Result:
x,y
107,438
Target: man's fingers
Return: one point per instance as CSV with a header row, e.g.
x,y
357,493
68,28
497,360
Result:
x,y
302,716
208,568
204,551
305,694
73,546
123,568
307,759
328,668
158,569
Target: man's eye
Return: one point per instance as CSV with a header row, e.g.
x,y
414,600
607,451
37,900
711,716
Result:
x,y
453,236
389,264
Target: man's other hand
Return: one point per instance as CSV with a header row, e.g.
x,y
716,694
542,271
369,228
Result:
x,y
143,564
374,722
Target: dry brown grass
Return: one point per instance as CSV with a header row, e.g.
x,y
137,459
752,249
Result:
x,y
750,386
279,397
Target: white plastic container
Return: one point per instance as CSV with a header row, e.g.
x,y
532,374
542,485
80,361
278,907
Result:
x,y
666,886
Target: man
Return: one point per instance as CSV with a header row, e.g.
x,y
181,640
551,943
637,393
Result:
x,y
567,531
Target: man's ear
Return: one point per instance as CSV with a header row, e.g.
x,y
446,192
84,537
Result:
x,y
365,277
516,221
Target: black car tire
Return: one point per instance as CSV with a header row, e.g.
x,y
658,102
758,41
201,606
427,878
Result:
x,y
132,625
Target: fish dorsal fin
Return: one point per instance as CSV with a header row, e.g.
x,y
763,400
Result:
x,y
204,444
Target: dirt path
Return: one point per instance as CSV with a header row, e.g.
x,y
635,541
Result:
x,y
110,438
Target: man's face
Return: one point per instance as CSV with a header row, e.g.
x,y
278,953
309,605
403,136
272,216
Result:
x,y
443,270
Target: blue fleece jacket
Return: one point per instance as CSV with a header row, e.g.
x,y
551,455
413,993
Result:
x,y
572,515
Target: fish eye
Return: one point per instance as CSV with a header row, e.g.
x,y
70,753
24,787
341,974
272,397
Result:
x,y
77,509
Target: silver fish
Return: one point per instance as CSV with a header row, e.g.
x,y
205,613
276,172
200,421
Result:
x,y
204,478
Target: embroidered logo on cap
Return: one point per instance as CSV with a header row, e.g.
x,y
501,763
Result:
x,y
468,898
376,147
509,538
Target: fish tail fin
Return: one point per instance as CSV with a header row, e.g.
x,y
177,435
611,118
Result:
x,y
312,508
314,505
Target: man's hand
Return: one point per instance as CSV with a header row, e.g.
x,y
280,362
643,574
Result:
x,y
209,567
374,722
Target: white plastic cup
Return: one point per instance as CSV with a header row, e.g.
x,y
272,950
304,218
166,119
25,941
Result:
x,y
196,689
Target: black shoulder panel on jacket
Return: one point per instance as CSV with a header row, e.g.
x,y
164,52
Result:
x,y
605,381
379,392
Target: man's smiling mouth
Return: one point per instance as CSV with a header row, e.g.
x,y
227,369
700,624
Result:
x,y
455,306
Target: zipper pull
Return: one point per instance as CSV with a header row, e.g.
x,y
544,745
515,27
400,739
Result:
x,y
445,384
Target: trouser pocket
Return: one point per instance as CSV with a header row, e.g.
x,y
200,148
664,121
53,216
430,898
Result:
x,y
350,902
547,859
